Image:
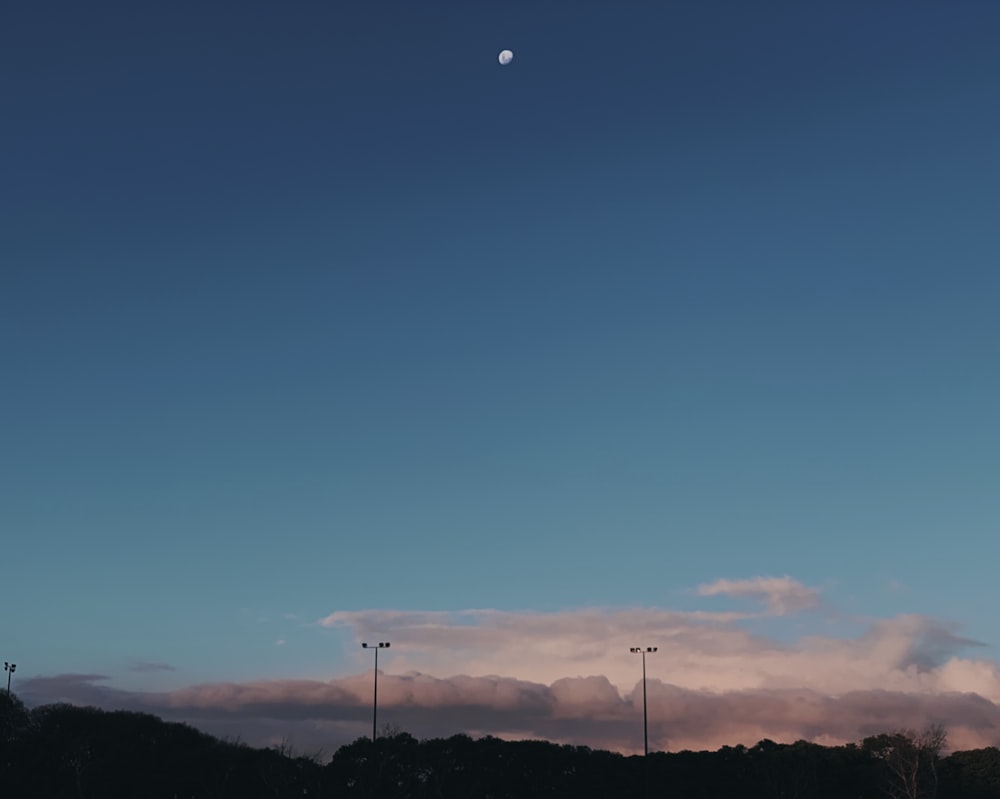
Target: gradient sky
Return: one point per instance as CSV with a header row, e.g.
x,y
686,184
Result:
x,y
317,325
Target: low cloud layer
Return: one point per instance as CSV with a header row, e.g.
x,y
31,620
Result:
x,y
569,677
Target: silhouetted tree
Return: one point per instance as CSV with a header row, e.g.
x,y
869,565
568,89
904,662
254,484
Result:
x,y
973,774
786,772
58,751
910,759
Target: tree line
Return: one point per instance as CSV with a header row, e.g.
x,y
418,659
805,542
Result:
x,y
61,750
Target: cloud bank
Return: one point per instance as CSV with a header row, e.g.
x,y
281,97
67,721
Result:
x,y
569,677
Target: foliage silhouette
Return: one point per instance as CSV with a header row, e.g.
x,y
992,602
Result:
x,y
60,750
910,761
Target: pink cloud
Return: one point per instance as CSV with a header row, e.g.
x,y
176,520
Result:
x,y
697,651
568,676
781,595
572,710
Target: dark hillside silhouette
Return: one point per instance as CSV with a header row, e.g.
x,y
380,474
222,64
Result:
x,y
61,750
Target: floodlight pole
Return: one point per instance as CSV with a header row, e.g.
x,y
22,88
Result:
x,y
9,668
376,647
645,722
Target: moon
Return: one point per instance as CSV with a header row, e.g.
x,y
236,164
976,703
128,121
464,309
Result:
x,y
505,57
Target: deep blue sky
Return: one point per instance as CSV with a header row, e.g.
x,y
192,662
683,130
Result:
x,y
312,306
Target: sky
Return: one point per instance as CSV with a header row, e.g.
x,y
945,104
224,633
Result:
x,y
320,326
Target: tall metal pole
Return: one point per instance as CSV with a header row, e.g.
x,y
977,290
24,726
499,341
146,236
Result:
x,y
9,668
375,700
376,647
645,718
645,722
639,650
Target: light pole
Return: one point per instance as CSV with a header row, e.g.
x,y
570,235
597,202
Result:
x,y
376,647
645,725
9,668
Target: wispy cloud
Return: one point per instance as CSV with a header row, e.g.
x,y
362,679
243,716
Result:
x,y
146,666
568,676
780,595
